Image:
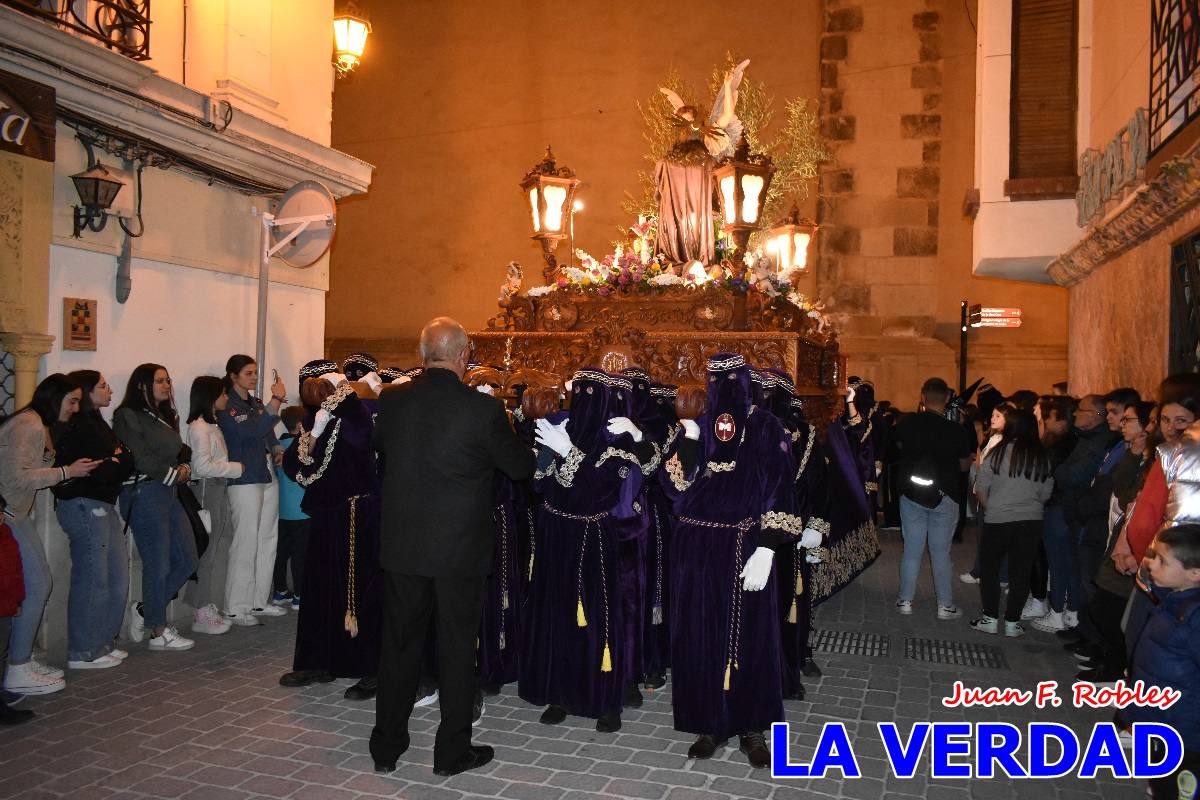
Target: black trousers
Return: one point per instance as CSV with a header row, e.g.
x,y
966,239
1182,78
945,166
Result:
x,y
1105,610
1019,541
411,603
1040,579
293,542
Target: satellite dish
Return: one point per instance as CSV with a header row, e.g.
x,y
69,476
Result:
x,y
304,200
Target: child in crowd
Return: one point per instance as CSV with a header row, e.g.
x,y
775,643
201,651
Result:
x,y
1167,650
293,523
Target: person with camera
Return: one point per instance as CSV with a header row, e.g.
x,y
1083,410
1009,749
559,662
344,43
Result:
x,y
933,453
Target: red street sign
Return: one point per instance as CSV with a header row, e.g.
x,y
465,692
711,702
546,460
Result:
x,y
999,322
999,312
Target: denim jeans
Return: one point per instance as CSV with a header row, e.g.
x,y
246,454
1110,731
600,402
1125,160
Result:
x,y
1060,555
99,576
38,584
165,542
921,526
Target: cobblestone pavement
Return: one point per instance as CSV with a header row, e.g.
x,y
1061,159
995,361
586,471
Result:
x,y
213,723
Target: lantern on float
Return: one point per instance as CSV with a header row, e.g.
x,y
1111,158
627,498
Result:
x,y
789,242
549,192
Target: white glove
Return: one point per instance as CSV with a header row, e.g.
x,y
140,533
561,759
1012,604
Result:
x,y
336,378
810,538
373,380
757,569
691,429
813,556
323,418
553,436
850,396
619,425
483,388
401,379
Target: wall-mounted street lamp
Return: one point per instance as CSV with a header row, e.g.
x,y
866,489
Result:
x,y
97,188
350,31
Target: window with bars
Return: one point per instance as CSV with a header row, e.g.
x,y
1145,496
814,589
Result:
x,y
8,384
1042,107
1185,305
1174,68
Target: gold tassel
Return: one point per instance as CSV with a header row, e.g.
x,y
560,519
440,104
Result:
x,y
504,601
351,624
580,617
606,661
792,612
799,583
530,576
727,666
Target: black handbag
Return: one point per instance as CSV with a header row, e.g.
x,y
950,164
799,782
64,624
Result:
x,y
191,507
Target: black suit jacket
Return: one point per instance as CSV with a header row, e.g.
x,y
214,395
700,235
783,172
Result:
x,y
442,442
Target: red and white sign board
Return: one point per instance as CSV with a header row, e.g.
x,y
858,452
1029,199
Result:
x,y
999,322
985,313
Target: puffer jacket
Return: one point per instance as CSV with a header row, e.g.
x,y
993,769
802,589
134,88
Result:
x,y
1181,468
1167,653
12,580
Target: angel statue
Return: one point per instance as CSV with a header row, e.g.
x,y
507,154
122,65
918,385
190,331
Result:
x,y
683,176
512,282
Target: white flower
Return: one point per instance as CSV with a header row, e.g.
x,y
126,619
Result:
x,y
665,279
575,274
540,291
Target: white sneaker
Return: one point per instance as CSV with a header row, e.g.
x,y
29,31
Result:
x,y
210,621
904,607
24,679
1050,623
103,662
269,611
137,623
967,577
427,700
243,620
1034,608
119,654
1013,629
1070,619
986,624
53,672
171,640
949,612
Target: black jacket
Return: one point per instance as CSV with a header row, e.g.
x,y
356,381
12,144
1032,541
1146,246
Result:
x,y
1074,476
87,435
442,442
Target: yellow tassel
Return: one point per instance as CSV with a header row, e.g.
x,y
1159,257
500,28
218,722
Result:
x,y
530,576
799,583
580,617
606,661
727,677
792,612
351,624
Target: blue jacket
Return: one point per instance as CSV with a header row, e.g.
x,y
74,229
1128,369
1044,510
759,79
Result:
x,y
291,494
1168,654
249,431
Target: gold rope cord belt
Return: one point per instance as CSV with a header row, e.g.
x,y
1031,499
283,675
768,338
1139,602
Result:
x,y
580,616
734,640
351,621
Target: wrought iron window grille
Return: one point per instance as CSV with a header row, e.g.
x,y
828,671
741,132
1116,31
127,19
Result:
x,y
120,25
1185,305
1174,68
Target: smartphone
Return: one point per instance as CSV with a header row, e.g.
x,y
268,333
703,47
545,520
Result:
x,y
274,376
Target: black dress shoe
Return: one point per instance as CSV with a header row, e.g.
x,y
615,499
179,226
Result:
x,y
474,758
656,680
553,715
754,745
609,723
304,677
13,716
811,670
633,698
797,693
365,689
705,746
385,757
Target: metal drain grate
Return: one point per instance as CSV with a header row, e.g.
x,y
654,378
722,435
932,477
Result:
x,y
851,643
962,654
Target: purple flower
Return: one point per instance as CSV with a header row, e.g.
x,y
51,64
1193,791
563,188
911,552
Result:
x,y
603,291
624,279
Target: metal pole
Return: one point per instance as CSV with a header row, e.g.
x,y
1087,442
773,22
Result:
x,y
962,349
264,279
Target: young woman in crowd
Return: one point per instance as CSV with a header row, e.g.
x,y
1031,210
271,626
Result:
x,y
26,467
1056,422
249,429
213,469
87,512
148,424
1013,484
989,438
